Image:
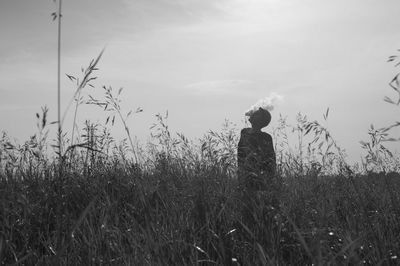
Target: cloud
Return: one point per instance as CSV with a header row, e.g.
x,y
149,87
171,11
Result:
x,y
163,13
219,87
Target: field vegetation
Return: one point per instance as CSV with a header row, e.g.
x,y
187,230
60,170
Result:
x,y
88,199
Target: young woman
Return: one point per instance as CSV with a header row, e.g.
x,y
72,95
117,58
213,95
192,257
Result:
x,y
256,155
256,166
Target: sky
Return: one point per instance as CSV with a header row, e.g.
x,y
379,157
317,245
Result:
x,y
204,62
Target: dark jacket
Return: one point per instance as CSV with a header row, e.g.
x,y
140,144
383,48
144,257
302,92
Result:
x,y
256,155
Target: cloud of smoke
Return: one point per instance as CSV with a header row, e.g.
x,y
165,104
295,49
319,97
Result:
x,y
267,103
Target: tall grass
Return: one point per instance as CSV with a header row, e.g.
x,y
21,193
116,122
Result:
x,y
175,201
181,206
179,203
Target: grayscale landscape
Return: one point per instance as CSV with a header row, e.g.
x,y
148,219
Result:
x,y
126,129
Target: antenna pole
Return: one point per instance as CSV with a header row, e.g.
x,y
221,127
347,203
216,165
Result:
x,y
59,81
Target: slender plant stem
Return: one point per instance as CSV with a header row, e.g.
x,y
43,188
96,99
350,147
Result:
x,y
129,135
75,116
74,124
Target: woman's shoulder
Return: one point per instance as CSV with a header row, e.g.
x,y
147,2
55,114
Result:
x,y
266,135
245,131
248,130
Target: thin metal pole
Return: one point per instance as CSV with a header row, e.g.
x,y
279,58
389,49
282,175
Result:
x,y
59,81
60,208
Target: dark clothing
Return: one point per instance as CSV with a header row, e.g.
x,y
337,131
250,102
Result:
x,y
256,172
256,159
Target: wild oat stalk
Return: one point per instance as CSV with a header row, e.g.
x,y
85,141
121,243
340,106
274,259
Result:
x,y
377,154
112,104
87,78
378,157
323,138
395,85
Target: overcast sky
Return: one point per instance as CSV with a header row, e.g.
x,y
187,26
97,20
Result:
x,y
205,61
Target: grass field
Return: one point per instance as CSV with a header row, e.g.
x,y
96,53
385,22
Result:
x,y
175,201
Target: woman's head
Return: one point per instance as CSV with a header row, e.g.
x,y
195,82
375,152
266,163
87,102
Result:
x,y
260,118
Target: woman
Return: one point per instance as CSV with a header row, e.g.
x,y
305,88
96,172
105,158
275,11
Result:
x,y
256,155
256,167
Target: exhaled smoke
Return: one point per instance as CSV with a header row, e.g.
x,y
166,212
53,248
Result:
x,y
267,103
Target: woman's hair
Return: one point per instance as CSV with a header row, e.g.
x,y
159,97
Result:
x,y
260,118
